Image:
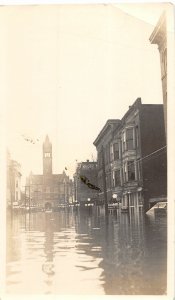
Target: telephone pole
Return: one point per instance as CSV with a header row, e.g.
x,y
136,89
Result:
x,y
27,186
104,183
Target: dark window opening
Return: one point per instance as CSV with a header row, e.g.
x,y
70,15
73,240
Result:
x,y
117,179
116,151
129,139
131,170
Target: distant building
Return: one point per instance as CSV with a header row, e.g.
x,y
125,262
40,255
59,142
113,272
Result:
x,y
159,37
47,190
13,182
137,156
82,192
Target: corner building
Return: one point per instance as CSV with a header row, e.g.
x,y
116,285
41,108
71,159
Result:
x,y
138,157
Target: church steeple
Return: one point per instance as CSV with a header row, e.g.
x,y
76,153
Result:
x,y
47,157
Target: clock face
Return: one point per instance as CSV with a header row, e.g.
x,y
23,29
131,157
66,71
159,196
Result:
x,y
47,154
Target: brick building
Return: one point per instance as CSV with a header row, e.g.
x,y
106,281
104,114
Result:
x,y
48,190
136,165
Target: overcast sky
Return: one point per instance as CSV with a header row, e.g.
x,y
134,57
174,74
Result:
x,y
70,68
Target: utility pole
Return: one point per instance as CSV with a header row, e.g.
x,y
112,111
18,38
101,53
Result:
x,y
27,186
64,193
104,182
29,198
11,173
25,197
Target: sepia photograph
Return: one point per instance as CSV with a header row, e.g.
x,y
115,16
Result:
x,y
85,205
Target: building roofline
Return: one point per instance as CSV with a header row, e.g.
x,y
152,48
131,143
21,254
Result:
x,y
105,128
155,36
137,103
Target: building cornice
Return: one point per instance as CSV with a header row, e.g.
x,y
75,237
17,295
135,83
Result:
x,y
110,124
158,36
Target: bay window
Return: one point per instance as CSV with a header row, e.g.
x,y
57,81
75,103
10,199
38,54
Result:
x,y
116,151
129,138
117,179
131,170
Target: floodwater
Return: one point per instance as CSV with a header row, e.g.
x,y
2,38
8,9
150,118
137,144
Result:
x,y
83,253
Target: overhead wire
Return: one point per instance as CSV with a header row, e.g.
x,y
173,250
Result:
x,y
149,156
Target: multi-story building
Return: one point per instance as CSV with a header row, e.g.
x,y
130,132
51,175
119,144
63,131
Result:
x,y
159,37
48,190
13,182
103,145
138,156
82,192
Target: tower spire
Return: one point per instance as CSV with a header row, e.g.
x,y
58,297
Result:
x,y
47,156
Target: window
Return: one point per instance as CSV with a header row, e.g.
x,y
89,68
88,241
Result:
x,y
132,202
47,154
140,200
129,139
125,172
107,154
113,181
123,141
137,136
16,183
117,180
138,170
116,151
131,170
16,196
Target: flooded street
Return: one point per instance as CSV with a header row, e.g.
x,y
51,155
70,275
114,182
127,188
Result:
x,y
80,253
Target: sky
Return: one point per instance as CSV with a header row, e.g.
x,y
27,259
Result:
x,y
70,68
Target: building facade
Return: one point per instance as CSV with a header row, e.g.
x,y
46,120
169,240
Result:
x,y
137,157
13,182
103,146
47,190
159,37
84,194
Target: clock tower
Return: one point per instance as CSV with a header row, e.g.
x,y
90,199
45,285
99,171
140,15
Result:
x,y
47,157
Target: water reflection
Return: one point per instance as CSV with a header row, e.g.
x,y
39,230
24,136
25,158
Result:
x,y
81,253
